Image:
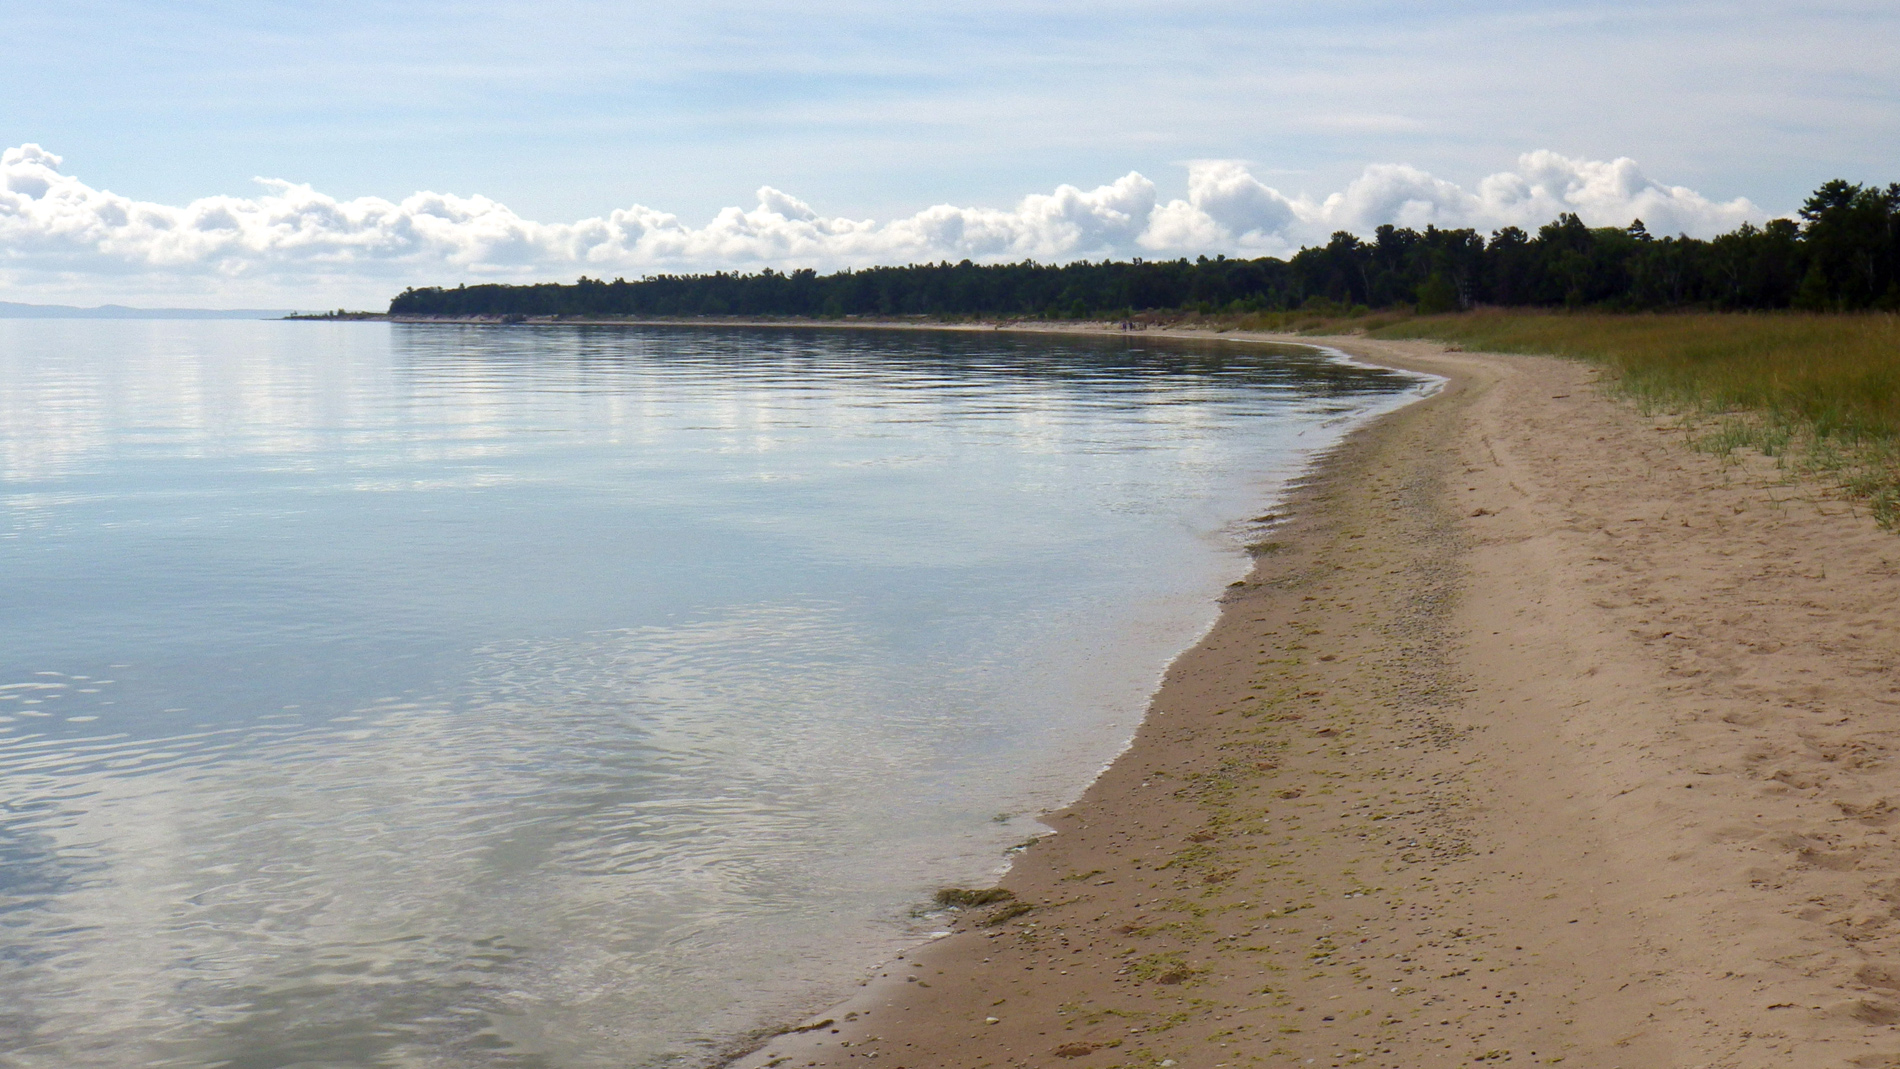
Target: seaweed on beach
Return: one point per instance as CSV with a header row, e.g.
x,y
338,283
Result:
x,y
1006,914
971,898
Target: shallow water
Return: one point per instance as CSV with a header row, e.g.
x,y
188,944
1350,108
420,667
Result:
x,y
416,696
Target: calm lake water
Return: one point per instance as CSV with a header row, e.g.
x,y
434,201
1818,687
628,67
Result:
x,y
378,695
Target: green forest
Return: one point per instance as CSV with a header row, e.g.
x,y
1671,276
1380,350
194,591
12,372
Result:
x,y
1842,254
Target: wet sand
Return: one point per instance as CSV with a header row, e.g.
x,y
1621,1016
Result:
x,y
1536,737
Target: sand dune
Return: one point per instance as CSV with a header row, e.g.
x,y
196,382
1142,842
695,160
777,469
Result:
x,y
1537,738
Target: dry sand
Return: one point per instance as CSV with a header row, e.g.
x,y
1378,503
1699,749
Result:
x,y
1541,738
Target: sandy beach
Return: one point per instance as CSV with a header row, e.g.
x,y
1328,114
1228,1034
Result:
x,y
1535,737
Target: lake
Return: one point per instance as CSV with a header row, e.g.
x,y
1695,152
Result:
x,y
428,695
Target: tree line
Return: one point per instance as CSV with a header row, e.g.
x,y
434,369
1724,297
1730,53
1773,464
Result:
x,y
1842,254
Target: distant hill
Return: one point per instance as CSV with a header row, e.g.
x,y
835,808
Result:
x,y
10,310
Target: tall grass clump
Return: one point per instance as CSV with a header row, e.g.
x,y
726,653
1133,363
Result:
x,y
1822,390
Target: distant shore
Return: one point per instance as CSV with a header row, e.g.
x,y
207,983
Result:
x,y
1534,736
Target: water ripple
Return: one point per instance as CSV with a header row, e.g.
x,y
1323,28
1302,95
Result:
x,y
570,697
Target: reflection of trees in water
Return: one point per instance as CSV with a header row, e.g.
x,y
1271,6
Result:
x,y
897,358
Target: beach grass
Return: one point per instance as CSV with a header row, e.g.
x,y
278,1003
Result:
x,y
1819,392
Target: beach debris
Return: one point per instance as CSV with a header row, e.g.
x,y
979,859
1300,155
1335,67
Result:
x,y
970,897
826,1023
1006,914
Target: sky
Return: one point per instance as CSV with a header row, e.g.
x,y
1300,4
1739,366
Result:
x,y
214,153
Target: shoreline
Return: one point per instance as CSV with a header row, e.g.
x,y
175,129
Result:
x,y
1422,795
811,1041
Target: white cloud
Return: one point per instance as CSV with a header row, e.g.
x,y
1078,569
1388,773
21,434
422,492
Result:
x,y
1606,194
57,233
1226,207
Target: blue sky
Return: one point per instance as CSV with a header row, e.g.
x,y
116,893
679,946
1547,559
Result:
x,y
568,110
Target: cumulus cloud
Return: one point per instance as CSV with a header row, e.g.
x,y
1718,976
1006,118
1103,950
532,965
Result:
x,y
1226,206
55,228
1544,185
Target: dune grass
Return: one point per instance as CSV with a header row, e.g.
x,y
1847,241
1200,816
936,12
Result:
x,y
1322,319
1822,392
